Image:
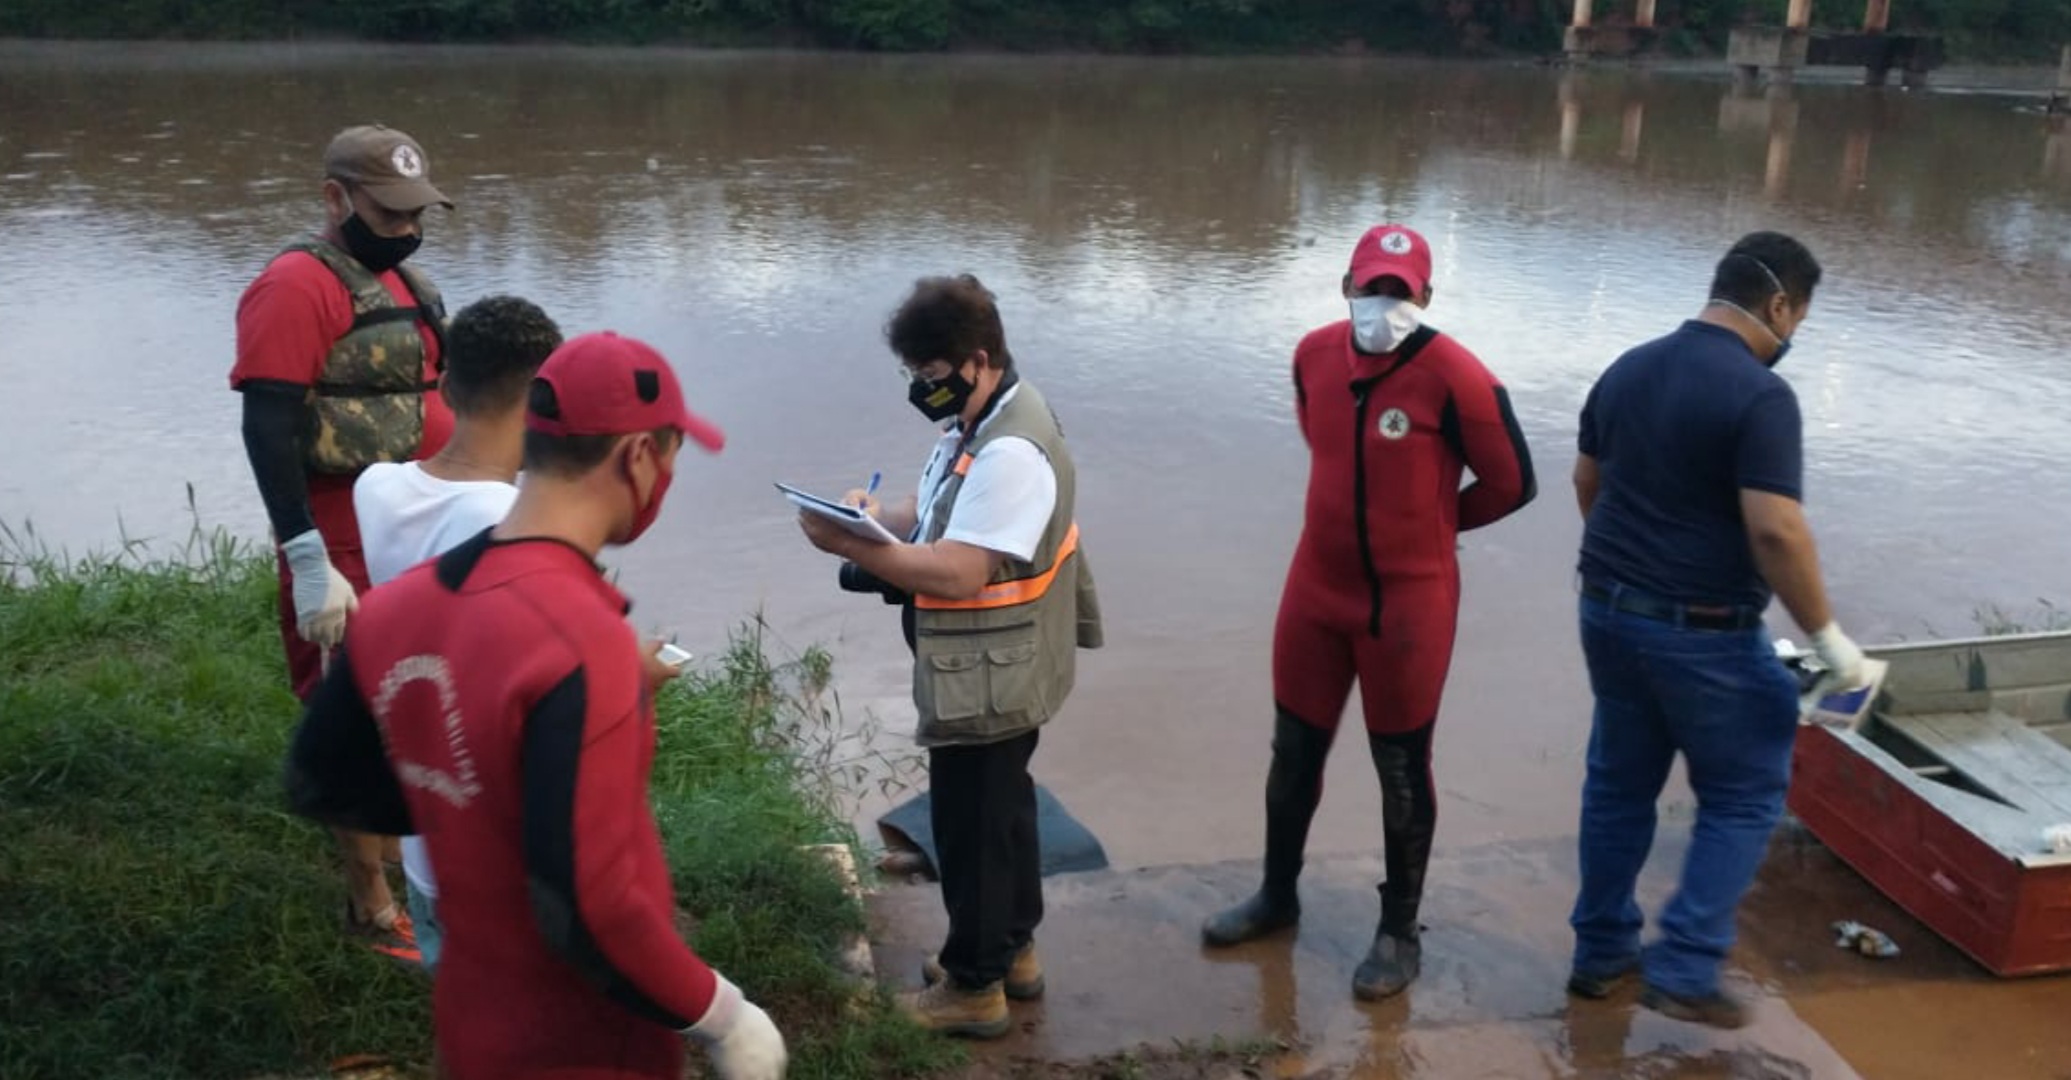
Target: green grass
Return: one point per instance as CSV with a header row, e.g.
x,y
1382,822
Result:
x,y
162,916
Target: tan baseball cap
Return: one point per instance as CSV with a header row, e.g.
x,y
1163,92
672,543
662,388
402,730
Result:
x,y
385,163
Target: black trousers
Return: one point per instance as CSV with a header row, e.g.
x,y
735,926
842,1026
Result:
x,y
982,802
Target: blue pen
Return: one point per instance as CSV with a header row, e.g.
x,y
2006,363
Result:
x,y
875,478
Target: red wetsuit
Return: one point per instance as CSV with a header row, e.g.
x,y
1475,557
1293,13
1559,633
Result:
x,y
507,686
1374,589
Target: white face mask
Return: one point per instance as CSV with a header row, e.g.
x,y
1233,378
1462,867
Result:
x,y
1380,324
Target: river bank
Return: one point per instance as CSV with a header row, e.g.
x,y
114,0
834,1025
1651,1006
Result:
x,y
168,918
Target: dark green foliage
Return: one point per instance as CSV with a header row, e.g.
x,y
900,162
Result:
x,y
1977,29
165,917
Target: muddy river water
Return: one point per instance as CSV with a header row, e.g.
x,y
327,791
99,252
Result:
x,y
1160,234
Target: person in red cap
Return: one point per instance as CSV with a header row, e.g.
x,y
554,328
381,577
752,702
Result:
x,y
496,702
337,345
1393,412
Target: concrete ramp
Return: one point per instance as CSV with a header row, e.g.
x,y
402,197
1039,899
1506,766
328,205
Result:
x,y
1126,969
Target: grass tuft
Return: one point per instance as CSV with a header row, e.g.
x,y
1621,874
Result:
x,y
165,917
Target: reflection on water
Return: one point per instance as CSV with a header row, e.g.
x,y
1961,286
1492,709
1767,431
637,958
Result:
x,y
1161,233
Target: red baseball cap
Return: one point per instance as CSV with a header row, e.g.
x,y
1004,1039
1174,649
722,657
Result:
x,y
604,384
1392,251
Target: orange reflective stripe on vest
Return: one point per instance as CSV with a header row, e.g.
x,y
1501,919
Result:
x,y
1009,593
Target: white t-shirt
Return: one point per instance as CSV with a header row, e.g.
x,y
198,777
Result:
x,y
407,516
1008,495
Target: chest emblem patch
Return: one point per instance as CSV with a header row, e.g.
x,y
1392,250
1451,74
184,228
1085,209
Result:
x,y
1394,424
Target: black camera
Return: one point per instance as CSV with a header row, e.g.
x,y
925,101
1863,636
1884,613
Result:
x,y
855,579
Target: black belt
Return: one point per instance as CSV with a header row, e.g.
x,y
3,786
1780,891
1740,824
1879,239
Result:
x,y
1695,616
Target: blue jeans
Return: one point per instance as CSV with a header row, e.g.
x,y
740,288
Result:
x,y
1722,699
424,916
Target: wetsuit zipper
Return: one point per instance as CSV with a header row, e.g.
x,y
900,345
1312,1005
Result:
x,y
1362,394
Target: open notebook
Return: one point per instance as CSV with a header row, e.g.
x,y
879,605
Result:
x,y
848,517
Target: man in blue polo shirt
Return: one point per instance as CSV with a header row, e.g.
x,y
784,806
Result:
x,y
1690,481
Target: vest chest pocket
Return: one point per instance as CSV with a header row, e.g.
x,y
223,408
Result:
x,y
1011,669
957,681
980,688
352,433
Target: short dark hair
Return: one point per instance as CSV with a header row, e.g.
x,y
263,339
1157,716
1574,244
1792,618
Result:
x,y
948,318
1761,263
493,348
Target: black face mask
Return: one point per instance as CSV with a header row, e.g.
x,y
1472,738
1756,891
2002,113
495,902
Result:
x,y
376,253
943,398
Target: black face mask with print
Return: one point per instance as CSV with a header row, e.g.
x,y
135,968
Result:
x,y
943,398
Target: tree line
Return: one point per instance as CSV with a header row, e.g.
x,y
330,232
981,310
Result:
x,y
1976,29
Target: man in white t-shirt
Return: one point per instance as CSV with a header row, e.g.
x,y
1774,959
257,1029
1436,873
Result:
x,y
413,511
997,601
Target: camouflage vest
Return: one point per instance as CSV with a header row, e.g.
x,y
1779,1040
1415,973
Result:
x,y
368,403
1001,664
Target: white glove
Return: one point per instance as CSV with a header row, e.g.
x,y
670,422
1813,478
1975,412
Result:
x,y
323,598
1841,657
740,1040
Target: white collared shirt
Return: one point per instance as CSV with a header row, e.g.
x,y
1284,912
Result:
x,y
1007,497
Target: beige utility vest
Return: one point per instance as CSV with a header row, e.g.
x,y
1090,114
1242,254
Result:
x,y
368,403
1001,664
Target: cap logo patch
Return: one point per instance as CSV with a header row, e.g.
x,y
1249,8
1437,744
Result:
x,y
408,162
1395,243
648,385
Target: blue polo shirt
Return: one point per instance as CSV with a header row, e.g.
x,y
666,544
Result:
x,y
1678,426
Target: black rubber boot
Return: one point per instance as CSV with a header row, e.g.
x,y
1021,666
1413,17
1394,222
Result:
x,y
1409,818
1392,963
1294,784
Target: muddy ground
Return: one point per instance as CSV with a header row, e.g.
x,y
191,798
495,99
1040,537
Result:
x,y
1133,994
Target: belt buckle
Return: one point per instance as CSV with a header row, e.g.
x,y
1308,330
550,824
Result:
x,y
1724,617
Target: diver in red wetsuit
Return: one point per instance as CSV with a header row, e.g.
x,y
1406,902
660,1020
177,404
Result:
x,y
496,702
1392,411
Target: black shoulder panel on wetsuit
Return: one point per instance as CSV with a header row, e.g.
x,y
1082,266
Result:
x,y
459,560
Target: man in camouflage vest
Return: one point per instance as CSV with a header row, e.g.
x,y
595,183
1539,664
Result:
x,y
997,601
337,346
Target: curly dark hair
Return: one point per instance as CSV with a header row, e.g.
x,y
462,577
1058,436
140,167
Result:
x,y
948,318
493,348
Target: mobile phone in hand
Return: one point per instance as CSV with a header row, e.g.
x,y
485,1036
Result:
x,y
674,657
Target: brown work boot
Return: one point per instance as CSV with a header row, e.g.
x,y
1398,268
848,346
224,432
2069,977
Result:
x,y
1718,1008
1598,986
948,1009
1024,980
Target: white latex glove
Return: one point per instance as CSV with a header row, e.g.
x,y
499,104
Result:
x,y
1841,657
323,598
740,1040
